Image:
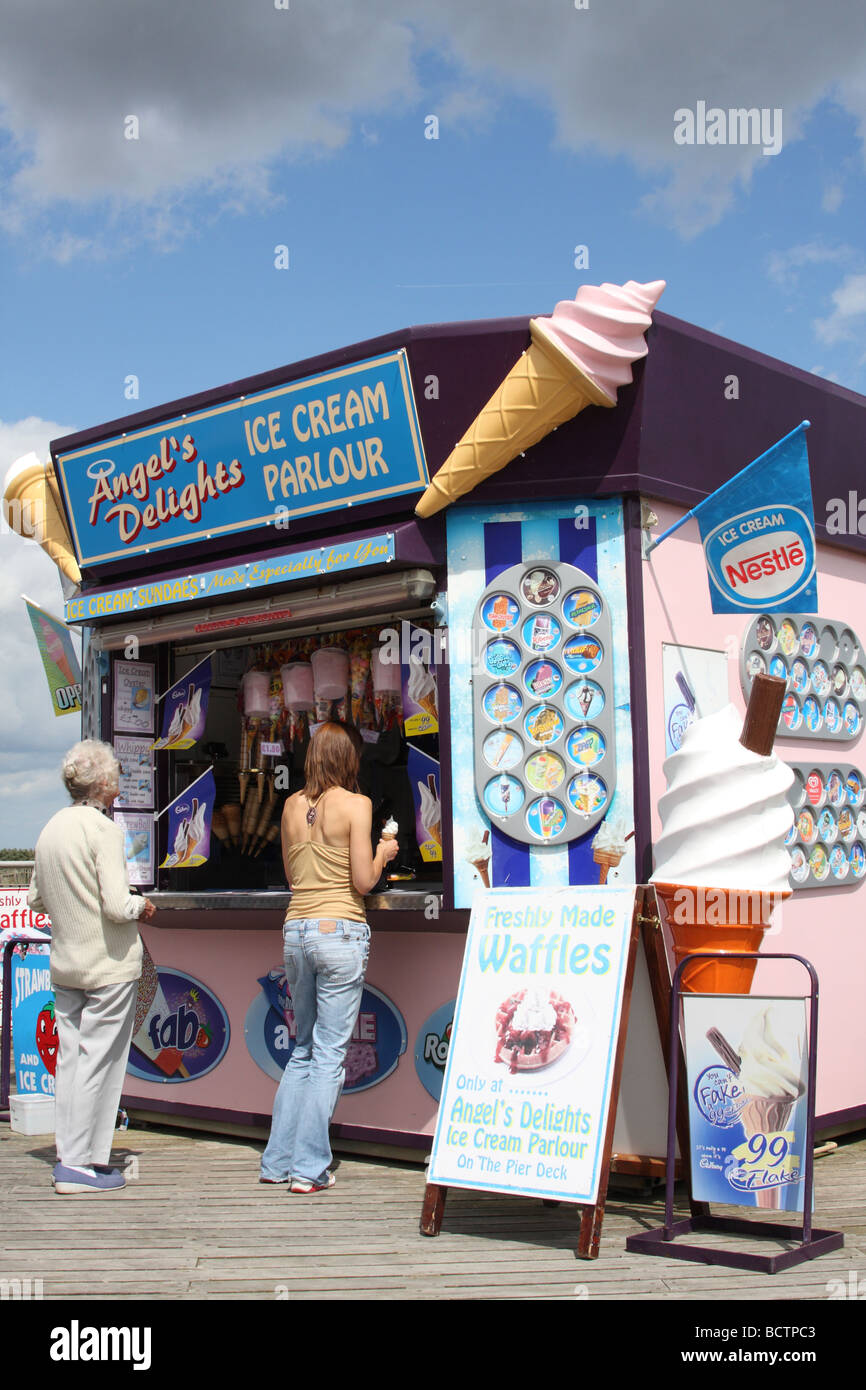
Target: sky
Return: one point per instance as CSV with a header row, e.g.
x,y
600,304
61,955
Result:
x,y
193,193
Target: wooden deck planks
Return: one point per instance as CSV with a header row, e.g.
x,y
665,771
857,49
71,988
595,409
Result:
x,y
195,1223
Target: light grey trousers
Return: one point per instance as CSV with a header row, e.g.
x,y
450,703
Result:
x,y
94,1030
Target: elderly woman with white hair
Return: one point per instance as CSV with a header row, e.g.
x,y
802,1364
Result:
x,y
80,879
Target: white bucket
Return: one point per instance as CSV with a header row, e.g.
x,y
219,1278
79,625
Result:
x,y
31,1114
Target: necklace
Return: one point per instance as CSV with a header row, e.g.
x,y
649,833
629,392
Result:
x,y
312,807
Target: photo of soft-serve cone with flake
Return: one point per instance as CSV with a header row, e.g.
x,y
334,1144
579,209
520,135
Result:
x,y
772,1082
578,356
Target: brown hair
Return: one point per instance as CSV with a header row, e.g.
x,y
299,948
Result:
x,y
333,759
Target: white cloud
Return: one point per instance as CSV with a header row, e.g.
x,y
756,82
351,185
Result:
x,y
784,266
464,110
34,739
211,92
849,311
223,92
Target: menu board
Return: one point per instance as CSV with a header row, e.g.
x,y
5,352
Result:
x,y
136,772
821,660
530,1075
827,842
544,747
138,841
133,697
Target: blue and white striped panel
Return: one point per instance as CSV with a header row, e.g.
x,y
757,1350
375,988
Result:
x,y
481,545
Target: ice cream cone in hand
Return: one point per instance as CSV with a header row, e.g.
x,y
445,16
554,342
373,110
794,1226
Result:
x,y
578,357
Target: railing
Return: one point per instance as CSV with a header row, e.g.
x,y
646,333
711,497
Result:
x,y
15,873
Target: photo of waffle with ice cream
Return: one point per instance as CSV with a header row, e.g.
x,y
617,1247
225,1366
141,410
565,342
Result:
x,y
534,1028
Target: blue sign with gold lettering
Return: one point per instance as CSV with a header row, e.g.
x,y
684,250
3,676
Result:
x,y
204,585
343,438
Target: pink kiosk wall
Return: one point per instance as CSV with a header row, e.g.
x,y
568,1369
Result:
x,y
824,925
417,971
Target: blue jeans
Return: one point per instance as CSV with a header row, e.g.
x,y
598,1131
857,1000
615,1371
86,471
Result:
x,y
325,976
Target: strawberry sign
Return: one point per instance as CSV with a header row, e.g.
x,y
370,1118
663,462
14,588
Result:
x,y
47,1040
34,1028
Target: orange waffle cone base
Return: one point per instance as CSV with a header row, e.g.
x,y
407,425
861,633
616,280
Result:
x,y
715,919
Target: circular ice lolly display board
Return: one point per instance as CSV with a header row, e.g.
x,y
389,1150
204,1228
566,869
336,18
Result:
x,y
544,746
827,843
822,661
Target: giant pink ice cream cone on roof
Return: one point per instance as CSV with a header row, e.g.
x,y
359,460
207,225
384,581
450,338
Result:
x,y
578,356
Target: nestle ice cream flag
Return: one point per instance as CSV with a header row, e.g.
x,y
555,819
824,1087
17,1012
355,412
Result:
x,y
62,670
758,534
184,712
189,822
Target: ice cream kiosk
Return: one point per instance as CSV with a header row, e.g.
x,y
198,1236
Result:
x,y
439,535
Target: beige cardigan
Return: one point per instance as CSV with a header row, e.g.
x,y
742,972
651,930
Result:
x,y
80,880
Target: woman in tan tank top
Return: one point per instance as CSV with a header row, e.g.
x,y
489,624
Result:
x,y
326,834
